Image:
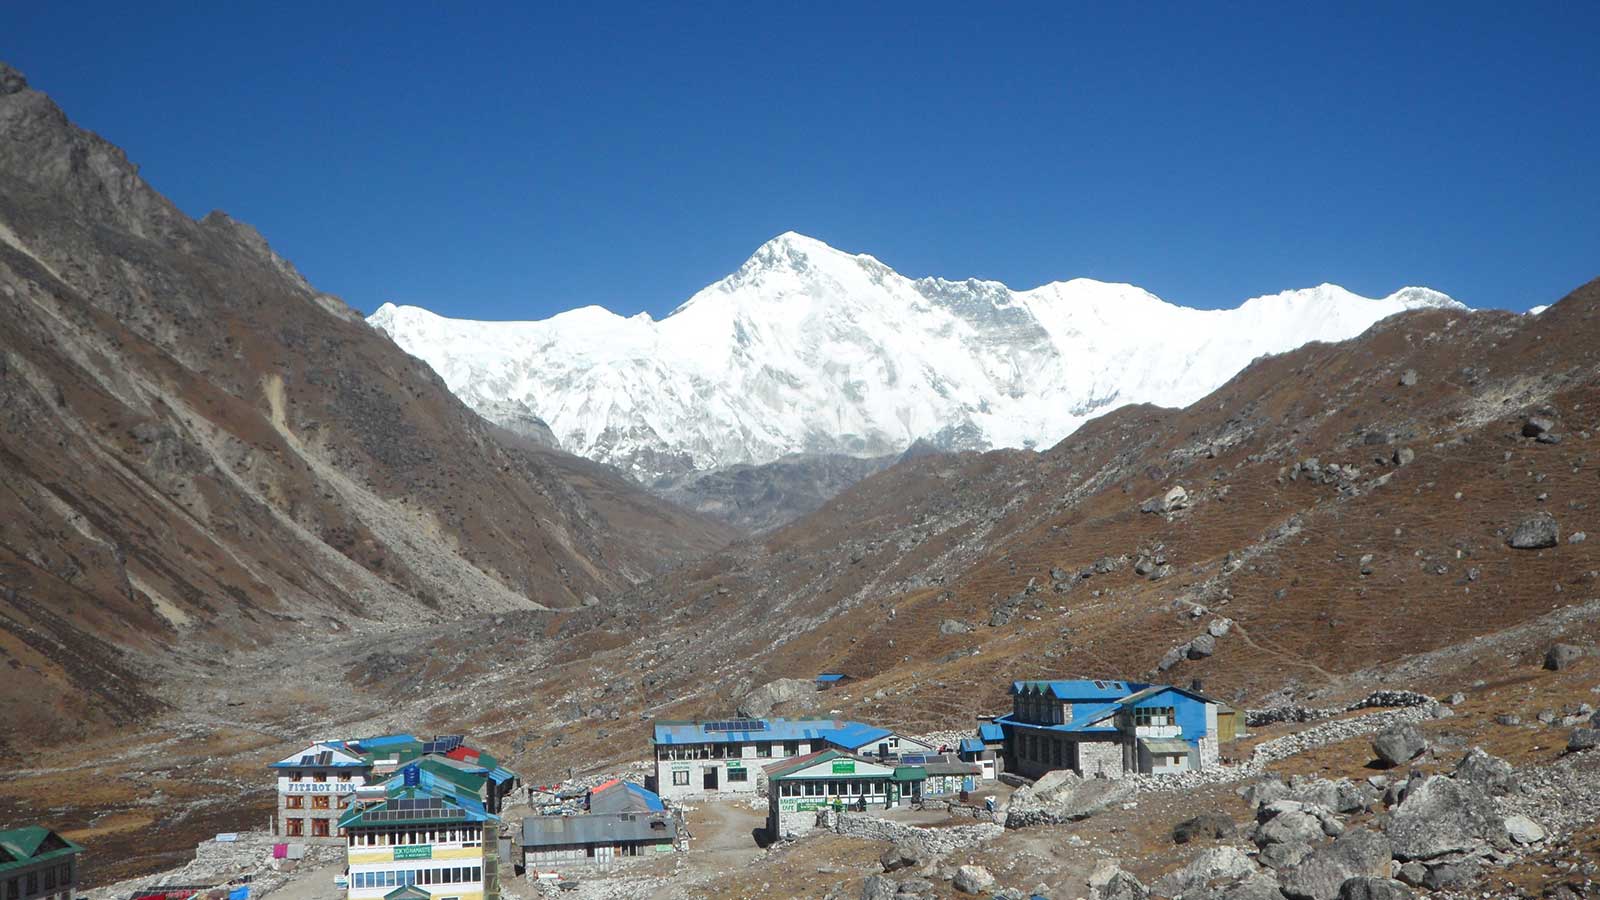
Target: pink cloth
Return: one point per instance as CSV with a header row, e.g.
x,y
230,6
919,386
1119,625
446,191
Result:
x,y
280,851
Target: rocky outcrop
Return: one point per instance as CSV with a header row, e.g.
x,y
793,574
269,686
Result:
x,y
760,702
1441,816
1061,796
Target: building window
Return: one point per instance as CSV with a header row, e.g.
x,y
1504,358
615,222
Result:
x,y
50,879
764,749
33,884
344,776
13,889
1148,716
319,827
320,777
680,777
66,872
294,827
319,802
296,776
294,801
791,748
738,774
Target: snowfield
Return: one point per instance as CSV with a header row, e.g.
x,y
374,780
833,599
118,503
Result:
x,y
807,349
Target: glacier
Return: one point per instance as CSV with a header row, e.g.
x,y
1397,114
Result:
x,y
809,349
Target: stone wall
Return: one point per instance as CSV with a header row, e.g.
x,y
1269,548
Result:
x,y
1100,758
1209,755
931,841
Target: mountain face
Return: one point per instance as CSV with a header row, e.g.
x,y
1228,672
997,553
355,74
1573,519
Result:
x,y
809,350
202,453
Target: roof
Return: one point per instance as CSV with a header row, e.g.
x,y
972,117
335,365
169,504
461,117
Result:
x,y
855,735
837,731
909,773
552,831
323,755
386,740
407,892
828,677
1166,745
31,844
428,803
989,731
617,796
972,745
946,767
1152,690
1079,689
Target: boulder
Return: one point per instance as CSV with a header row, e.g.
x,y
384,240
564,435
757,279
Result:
x,y
1536,532
1408,378
1201,647
1490,774
1534,426
1259,793
954,626
1214,825
1324,871
760,701
1561,656
972,880
1524,830
1261,886
1374,887
1583,739
1283,856
1214,864
1399,743
1290,822
1174,499
877,887
1219,627
1109,882
900,856
1456,874
1062,796
1404,456
1441,815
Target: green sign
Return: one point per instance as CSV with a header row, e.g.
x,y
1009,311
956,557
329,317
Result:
x,y
792,805
419,851
735,764
844,767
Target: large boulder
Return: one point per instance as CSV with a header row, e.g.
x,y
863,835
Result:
x,y
1536,532
1583,739
1442,815
1560,656
1524,830
759,702
973,880
1174,499
1215,825
900,856
877,887
1293,822
1109,882
1490,774
1399,744
1321,874
1265,790
1261,886
1373,887
1214,864
1201,647
1061,796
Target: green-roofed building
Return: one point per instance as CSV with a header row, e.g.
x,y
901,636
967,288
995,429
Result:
x,y
798,788
37,864
426,834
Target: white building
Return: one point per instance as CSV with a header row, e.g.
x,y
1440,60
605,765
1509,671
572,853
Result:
x,y
696,759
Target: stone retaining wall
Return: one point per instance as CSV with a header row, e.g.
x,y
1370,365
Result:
x,y
931,841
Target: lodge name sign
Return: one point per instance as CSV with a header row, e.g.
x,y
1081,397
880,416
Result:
x,y
317,787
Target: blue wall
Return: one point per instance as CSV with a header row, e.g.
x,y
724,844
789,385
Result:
x,y
1191,712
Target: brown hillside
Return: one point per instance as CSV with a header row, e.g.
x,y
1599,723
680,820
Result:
x,y
203,453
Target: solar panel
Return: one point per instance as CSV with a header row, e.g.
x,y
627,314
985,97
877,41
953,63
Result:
x,y
308,759
443,743
736,725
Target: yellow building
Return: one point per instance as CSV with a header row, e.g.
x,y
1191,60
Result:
x,y
422,841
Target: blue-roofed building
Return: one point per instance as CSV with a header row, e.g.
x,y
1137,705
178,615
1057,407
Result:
x,y
1107,728
421,831
827,681
698,758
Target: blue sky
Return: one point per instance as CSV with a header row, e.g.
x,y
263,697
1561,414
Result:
x,y
516,160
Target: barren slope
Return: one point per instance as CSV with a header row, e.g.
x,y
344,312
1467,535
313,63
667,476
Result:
x,y
201,453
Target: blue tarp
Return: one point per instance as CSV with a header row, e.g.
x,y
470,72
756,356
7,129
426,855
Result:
x,y
242,892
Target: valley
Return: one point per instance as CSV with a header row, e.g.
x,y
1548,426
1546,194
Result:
x,y
238,518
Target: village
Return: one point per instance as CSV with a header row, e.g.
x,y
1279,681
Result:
x,y
400,817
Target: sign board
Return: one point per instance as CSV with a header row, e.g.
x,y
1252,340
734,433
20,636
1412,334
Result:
x,y
413,775
792,804
417,851
735,764
285,786
844,767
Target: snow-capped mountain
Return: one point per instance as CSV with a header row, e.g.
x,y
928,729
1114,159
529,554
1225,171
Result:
x,y
807,349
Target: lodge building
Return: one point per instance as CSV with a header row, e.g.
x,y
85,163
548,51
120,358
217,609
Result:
x,y
1108,728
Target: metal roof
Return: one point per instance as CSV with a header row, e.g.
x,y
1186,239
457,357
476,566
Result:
x,y
555,831
1085,725
617,796
972,745
399,807
832,676
1079,689
31,844
989,731
775,730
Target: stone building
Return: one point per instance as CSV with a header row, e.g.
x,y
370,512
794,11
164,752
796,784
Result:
x,y
798,788
315,787
37,864
1108,728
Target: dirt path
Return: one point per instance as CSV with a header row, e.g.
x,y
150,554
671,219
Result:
x,y
724,835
